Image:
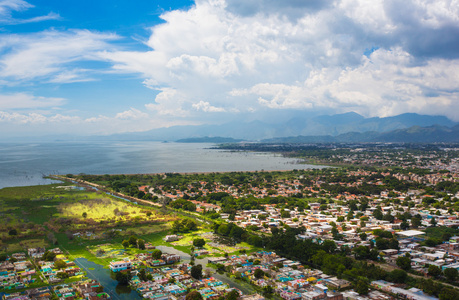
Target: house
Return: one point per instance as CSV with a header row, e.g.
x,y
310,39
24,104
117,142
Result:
x,y
312,296
170,258
171,238
36,252
117,266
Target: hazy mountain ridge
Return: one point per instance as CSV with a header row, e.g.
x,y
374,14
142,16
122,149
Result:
x,y
325,125
206,139
414,134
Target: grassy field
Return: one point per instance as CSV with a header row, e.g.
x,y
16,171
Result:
x,y
38,214
103,209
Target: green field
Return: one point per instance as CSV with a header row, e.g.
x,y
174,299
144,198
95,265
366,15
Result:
x,y
40,216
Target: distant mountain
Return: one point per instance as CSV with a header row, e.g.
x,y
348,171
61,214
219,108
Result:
x,y
206,139
414,134
325,125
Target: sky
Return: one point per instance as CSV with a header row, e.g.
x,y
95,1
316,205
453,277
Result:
x,y
108,66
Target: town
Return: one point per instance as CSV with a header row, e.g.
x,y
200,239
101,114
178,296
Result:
x,y
349,232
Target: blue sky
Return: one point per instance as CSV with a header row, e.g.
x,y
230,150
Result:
x,y
101,67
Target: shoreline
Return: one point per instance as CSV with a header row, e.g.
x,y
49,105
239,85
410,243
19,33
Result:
x,y
194,173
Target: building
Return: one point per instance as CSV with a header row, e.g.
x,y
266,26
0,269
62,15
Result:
x,y
117,266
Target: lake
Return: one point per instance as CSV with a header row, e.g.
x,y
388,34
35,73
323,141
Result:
x,y
25,164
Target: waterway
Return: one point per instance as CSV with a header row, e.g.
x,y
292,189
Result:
x,y
102,275
246,289
118,292
23,164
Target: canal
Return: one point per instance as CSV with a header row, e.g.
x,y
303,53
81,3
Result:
x,y
102,275
119,292
245,288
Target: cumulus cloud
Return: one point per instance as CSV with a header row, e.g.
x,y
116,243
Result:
x,y
222,57
131,114
379,57
206,107
384,84
290,8
169,102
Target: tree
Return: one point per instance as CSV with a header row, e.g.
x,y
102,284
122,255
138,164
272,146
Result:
x,y
433,222
404,263
13,231
142,275
434,271
361,252
223,229
49,256
268,290
363,236
285,214
60,264
233,295
415,222
132,240
62,275
196,272
141,244
398,276
156,254
394,244
382,243
329,246
193,295
85,214
378,214
451,274
123,277
259,273
404,225
449,294
361,287
125,244
199,243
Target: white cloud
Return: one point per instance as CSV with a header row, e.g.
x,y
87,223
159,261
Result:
x,y
378,58
169,102
206,107
47,54
131,114
36,118
386,84
8,6
27,101
251,56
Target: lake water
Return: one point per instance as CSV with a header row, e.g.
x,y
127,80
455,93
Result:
x,y
25,164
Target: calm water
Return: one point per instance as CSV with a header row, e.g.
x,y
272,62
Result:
x,y
111,287
101,274
25,164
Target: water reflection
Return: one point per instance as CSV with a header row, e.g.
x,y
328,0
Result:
x,y
102,275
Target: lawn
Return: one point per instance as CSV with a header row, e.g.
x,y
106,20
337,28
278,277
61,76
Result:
x,y
22,245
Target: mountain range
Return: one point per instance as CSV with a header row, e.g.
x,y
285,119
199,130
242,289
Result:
x,y
338,127
414,134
